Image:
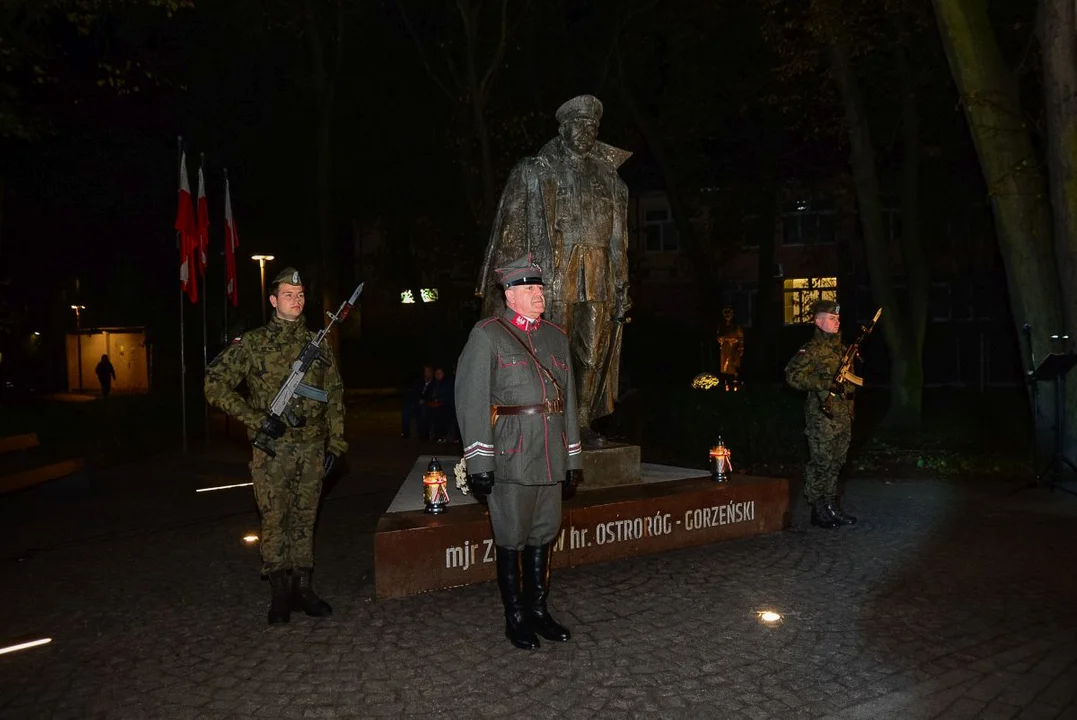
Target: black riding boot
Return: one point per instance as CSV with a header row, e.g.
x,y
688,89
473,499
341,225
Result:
x,y
303,597
821,516
517,629
280,607
839,515
536,568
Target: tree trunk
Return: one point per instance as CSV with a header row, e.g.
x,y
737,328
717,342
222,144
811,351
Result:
x,y
323,210
464,157
1057,31
906,367
1017,188
486,163
701,260
326,54
768,320
916,270
3,194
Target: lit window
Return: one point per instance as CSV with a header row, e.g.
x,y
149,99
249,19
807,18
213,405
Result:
x,y
407,297
800,293
428,294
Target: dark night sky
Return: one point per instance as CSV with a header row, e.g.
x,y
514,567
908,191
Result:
x,y
93,202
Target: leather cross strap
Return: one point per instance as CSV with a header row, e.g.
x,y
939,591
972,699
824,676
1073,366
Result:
x,y
545,370
549,407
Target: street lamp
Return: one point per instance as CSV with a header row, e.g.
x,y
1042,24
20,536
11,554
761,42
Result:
x,y
262,260
78,339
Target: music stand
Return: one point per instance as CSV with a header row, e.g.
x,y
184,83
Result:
x,y
1055,367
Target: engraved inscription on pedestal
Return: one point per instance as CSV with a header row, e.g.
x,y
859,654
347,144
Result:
x,y
610,465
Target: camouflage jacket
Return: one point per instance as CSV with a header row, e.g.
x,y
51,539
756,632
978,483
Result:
x,y
495,370
264,357
813,367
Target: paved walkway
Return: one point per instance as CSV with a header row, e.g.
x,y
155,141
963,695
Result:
x,y
949,600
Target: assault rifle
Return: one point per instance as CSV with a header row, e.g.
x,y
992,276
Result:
x,y
845,368
279,415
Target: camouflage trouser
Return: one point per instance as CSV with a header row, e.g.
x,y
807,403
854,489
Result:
x,y
287,489
828,442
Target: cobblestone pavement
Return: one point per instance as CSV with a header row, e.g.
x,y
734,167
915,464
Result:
x,y
950,599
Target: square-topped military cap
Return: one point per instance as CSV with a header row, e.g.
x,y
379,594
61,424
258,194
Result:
x,y
521,271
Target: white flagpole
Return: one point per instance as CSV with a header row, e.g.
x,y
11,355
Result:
x,y
179,246
205,288
224,259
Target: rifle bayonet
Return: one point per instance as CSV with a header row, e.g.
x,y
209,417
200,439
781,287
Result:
x,y
845,372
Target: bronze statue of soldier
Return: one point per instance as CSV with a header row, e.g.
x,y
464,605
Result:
x,y
568,208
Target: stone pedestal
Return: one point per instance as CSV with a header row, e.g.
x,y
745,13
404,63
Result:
x,y
667,508
610,465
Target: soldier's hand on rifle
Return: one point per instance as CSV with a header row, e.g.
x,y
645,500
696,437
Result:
x,y
573,478
273,426
481,485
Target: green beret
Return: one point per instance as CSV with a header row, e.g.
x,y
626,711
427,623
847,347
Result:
x,y
825,306
288,275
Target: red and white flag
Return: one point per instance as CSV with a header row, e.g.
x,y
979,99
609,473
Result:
x,y
188,235
203,224
231,242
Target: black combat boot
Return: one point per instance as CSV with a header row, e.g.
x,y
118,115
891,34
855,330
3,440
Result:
x,y
536,569
821,516
838,514
303,597
517,628
280,607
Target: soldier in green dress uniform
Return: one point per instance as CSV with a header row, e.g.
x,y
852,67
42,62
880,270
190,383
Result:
x,y
516,406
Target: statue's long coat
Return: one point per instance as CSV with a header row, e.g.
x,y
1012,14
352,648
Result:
x,y
532,219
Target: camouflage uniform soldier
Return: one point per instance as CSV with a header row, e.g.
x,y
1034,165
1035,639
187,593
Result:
x,y
516,405
812,369
287,487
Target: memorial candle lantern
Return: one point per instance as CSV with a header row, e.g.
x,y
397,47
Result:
x,y
435,491
721,461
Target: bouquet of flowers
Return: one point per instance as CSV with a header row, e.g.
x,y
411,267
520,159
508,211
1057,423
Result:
x,y
460,471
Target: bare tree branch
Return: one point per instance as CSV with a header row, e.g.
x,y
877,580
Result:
x,y
502,43
622,24
423,55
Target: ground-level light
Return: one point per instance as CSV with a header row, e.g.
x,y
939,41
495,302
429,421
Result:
x,y
250,538
224,487
770,618
24,646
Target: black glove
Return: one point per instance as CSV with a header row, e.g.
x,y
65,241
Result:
x,y
573,478
328,463
481,484
273,426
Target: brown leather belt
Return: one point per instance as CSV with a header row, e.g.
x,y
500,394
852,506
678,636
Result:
x,y
550,407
